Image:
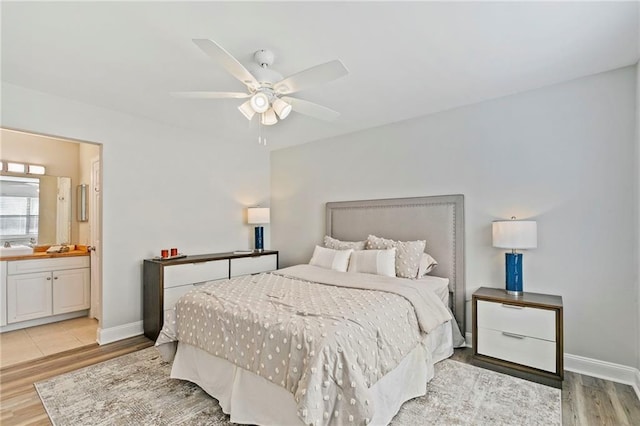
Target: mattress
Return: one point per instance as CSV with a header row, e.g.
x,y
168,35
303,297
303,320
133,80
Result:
x,y
440,286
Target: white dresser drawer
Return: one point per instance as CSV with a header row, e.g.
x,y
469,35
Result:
x,y
532,322
171,295
253,265
190,273
47,264
529,351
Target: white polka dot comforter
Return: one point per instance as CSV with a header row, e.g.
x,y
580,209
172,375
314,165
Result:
x,y
323,335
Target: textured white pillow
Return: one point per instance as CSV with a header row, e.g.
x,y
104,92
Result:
x,y
338,260
407,256
427,264
335,244
379,262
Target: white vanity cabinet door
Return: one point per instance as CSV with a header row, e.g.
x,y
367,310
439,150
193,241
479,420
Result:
x,y
71,290
3,293
29,296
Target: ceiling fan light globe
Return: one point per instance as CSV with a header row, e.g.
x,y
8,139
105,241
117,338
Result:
x,y
282,108
269,117
247,110
259,102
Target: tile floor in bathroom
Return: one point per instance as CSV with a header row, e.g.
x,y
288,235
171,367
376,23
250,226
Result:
x,y
36,342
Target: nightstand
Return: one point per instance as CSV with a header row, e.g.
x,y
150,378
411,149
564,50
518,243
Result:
x,y
521,336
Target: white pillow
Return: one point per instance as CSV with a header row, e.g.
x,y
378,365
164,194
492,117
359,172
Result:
x,y
379,262
338,260
335,244
407,257
427,264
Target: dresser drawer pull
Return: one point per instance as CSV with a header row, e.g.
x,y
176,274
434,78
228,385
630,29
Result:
x,y
198,284
515,336
504,305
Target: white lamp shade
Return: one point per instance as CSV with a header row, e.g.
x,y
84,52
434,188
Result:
x,y
281,108
515,234
258,215
247,110
269,117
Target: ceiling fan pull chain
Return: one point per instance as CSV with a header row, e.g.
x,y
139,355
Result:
x,y
261,140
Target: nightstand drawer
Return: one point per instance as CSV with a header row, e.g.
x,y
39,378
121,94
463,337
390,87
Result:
x,y
524,321
190,273
523,350
253,265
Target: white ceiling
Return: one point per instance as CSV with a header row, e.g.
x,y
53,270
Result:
x,y
405,59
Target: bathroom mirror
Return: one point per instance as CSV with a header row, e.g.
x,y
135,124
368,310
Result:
x,y
35,207
81,199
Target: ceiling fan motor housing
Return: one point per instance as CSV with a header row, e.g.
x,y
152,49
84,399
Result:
x,y
264,57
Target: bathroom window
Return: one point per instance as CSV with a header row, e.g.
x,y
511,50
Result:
x,y
19,208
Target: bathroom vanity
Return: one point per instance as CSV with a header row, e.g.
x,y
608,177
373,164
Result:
x,y
44,287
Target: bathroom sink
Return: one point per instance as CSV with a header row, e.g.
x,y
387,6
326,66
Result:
x,y
15,251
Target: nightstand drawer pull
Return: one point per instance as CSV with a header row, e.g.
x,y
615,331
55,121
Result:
x,y
515,336
504,305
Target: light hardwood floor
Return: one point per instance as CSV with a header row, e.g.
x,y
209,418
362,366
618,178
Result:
x,y
19,401
586,401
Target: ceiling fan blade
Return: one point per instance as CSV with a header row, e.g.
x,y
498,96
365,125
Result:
x,y
231,64
211,95
313,76
312,109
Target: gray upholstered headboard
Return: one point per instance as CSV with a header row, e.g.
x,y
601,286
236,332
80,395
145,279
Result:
x,y
439,220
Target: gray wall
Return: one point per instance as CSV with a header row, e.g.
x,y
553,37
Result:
x,y
563,155
638,199
162,187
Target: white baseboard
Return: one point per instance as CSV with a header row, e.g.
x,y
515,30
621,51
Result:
x,y
41,321
603,370
468,339
113,334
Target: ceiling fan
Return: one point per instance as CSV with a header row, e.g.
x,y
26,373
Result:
x,y
266,88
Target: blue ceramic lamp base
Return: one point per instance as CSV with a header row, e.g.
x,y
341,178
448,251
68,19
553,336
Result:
x,y
513,273
259,241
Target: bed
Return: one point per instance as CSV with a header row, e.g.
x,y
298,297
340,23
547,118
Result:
x,y
307,345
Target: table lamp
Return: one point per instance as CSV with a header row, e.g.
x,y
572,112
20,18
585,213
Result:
x,y
515,235
258,216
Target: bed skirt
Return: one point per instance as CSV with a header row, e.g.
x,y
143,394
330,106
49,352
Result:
x,y
251,399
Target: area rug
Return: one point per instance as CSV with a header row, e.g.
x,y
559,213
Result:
x,y
135,389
